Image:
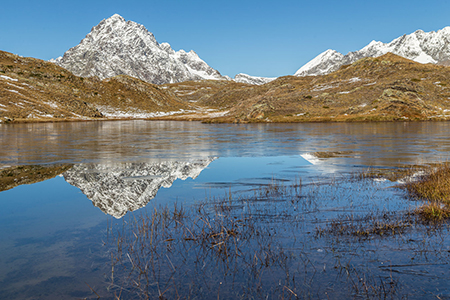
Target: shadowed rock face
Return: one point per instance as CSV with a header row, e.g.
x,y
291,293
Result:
x,y
119,47
119,188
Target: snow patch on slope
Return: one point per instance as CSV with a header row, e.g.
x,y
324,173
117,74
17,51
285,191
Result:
x,y
244,78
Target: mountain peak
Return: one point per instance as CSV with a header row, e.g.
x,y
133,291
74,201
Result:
x,y
116,17
116,47
420,46
317,64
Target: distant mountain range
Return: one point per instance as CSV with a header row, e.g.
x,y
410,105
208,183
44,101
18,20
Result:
x,y
118,47
423,47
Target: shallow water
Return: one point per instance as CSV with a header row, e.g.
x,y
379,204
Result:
x,y
54,240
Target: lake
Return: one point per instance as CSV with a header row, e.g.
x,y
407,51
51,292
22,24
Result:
x,y
145,209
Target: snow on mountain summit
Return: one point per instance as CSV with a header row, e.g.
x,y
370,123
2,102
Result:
x,y
423,47
116,46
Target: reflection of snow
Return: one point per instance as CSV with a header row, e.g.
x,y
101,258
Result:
x,y
122,187
324,165
310,158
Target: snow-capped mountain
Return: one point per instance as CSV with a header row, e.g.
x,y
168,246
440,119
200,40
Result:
x,y
244,78
116,47
423,47
122,187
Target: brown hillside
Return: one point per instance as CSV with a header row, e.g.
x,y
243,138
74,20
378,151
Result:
x,y
18,175
32,90
386,88
373,89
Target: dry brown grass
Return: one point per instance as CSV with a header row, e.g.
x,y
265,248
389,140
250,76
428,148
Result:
x,y
32,89
434,187
387,88
433,212
18,175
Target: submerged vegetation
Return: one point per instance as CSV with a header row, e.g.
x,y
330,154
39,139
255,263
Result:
x,y
336,239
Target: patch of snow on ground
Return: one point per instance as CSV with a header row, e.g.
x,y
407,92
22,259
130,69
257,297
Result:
x,y
354,79
14,91
380,180
218,114
188,93
111,112
17,104
324,87
346,92
411,178
51,104
16,86
8,78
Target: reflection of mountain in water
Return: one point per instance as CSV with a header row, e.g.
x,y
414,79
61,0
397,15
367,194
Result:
x,y
119,188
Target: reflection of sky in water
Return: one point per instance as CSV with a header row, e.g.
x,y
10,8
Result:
x,y
41,223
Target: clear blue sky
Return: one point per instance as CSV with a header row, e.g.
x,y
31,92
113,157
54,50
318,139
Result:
x,y
261,38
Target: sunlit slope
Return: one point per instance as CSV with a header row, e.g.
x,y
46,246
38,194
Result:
x,y
35,90
386,88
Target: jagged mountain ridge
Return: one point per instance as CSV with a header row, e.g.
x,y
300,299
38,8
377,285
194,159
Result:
x,y
423,47
119,47
119,188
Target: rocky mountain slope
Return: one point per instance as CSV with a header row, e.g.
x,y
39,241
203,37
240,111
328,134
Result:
x,y
119,47
119,188
36,90
423,47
